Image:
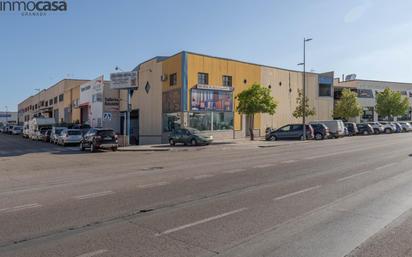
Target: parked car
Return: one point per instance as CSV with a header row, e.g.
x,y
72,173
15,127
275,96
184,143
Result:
x,y
55,132
399,127
364,129
26,129
320,131
406,126
189,136
8,129
352,128
69,136
336,127
290,131
46,136
99,138
377,127
388,127
84,128
17,130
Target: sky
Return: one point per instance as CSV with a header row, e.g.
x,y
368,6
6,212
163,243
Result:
x,y
372,39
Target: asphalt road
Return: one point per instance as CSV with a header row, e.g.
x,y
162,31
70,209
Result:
x,y
328,198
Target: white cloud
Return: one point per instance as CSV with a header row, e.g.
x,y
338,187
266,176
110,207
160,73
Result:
x,y
357,12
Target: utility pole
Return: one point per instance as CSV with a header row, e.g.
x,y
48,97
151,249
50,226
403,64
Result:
x,y
304,87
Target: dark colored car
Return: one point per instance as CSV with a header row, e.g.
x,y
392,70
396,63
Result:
x,y
46,136
352,128
99,138
189,137
290,131
364,129
320,131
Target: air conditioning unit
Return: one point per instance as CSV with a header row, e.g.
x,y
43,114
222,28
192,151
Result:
x,y
163,77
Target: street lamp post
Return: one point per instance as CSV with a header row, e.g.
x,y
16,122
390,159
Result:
x,y
304,87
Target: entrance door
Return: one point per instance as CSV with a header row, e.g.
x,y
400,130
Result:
x,y
134,127
84,115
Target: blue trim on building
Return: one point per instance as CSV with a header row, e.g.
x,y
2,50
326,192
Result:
x,y
184,81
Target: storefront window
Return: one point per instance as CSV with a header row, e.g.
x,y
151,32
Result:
x,y
200,121
222,120
171,121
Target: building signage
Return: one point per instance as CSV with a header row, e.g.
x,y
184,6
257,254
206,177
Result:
x,y
211,100
91,99
123,80
213,87
107,116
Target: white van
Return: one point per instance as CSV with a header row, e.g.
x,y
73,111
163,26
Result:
x,y
336,127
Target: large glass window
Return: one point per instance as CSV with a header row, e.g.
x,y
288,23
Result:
x,y
200,121
325,90
367,114
365,93
203,78
222,120
171,121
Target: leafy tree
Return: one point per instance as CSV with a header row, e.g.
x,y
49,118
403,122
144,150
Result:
x,y
390,103
309,111
256,99
348,105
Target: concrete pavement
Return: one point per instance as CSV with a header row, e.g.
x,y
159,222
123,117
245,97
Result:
x,y
315,199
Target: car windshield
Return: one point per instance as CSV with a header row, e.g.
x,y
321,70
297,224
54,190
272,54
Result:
x,y
194,131
74,132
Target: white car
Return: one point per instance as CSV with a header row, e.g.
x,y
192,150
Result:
x,y
406,126
55,133
17,130
70,136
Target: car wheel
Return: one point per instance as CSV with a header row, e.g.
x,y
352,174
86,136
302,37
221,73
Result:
x,y
301,138
365,132
388,130
114,149
92,148
273,138
193,142
172,142
81,147
318,136
376,131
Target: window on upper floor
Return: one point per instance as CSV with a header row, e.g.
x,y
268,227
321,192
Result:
x,y
203,78
227,81
173,79
325,90
61,98
55,100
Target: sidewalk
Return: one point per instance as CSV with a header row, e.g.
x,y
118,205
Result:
x,y
241,142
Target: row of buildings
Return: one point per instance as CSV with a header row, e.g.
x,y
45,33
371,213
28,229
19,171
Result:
x,y
195,90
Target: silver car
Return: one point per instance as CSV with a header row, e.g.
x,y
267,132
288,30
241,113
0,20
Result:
x,y
406,126
388,127
377,127
69,136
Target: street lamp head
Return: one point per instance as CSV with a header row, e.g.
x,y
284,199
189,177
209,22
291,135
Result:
x,y
308,39
301,63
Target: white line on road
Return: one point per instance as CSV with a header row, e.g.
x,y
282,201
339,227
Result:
x,y
200,222
233,171
289,161
264,166
91,254
296,193
352,176
162,183
203,176
386,166
20,208
93,195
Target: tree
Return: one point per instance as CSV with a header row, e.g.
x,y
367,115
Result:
x,y
298,113
256,99
348,105
390,103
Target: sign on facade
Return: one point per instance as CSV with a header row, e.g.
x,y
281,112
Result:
x,y
123,80
107,116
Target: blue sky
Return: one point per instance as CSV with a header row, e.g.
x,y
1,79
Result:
x,y
370,38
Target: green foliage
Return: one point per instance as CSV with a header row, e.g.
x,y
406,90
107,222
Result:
x,y
256,99
390,103
309,111
348,105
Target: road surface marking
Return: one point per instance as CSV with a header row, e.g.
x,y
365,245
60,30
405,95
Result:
x,y
386,166
289,161
91,254
93,195
203,176
296,193
352,176
20,208
263,166
233,171
162,183
200,222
